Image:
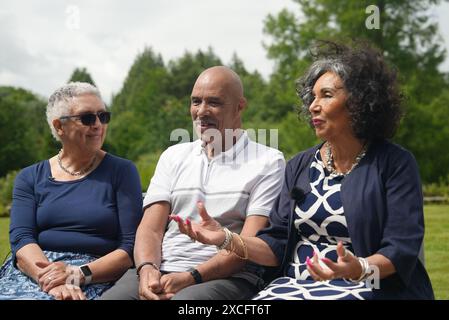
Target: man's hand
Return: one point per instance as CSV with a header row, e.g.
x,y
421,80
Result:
x,y
150,287
176,281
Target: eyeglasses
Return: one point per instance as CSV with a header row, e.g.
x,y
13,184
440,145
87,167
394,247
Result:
x,y
89,119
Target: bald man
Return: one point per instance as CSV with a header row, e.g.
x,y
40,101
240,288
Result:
x,y
224,173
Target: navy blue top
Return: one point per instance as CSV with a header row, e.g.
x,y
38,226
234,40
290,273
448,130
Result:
x,y
383,205
96,214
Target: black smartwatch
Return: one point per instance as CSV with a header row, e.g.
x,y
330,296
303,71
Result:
x,y
87,273
196,275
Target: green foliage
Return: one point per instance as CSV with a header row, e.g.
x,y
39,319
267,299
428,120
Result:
x,y
6,187
437,191
137,107
146,165
155,100
255,88
22,129
425,131
81,75
4,239
409,39
184,71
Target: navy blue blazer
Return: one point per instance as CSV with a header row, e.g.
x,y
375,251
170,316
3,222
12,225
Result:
x,y
383,205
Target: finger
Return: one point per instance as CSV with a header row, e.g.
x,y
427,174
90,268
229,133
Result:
x,y
330,264
66,294
202,211
44,281
57,281
315,258
342,252
81,295
42,264
58,295
77,293
73,294
44,270
192,234
181,225
316,268
199,237
147,294
165,296
311,271
155,285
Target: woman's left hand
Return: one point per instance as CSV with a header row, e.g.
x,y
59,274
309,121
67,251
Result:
x,y
52,274
347,266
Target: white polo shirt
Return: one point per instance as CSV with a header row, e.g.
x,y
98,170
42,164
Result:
x,y
245,180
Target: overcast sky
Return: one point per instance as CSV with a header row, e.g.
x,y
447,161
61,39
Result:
x,y
43,41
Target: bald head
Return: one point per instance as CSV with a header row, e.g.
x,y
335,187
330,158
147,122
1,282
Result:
x,y
225,78
217,101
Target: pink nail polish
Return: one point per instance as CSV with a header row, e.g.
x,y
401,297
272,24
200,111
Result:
x,y
308,261
188,221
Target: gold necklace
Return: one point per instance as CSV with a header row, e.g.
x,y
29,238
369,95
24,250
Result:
x,y
76,173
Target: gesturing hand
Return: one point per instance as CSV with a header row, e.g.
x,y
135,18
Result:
x,y
347,266
208,231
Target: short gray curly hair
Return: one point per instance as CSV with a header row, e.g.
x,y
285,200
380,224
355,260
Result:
x,y
59,103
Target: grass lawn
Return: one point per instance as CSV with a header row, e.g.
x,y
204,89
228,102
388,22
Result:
x,y
4,238
436,247
436,244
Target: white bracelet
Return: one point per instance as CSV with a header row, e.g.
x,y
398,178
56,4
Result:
x,y
365,270
227,240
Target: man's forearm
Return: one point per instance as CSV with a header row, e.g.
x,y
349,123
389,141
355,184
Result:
x,y
147,248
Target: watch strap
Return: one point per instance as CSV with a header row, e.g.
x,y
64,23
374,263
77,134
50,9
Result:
x,y
196,276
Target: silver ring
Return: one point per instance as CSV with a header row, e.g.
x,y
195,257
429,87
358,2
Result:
x,y
49,278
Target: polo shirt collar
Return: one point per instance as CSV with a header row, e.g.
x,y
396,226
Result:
x,y
232,152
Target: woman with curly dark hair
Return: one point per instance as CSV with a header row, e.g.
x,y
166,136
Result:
x,y
348,223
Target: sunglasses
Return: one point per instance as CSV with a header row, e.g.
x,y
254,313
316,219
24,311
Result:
x,y
89,119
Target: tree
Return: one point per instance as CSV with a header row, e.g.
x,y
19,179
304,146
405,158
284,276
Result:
x,y
22,128
81,75
137,107
254,89
407,36
184,71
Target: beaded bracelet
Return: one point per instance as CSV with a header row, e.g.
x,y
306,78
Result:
x,y
227,240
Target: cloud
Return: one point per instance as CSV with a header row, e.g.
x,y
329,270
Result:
x,y
44,41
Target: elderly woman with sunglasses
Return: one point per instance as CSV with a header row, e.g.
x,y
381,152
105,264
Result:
x,y
73,216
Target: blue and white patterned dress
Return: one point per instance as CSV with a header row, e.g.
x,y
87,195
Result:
x,y
15,285
321,224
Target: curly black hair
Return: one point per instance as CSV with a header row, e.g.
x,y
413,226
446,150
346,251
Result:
x,y
374,98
